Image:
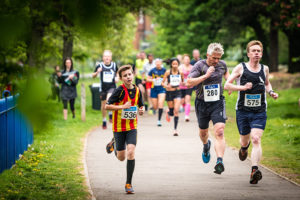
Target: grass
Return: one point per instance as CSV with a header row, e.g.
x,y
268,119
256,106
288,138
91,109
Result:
x,y
52,167
281,138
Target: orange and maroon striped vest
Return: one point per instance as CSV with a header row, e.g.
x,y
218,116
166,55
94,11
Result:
x,y
119,124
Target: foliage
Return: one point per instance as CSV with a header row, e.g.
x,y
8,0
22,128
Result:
x,y
52,166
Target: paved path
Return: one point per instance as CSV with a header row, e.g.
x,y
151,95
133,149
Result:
x,y
169,167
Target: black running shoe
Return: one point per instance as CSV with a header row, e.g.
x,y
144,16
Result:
x,y
219,168
110,146
255,176
243,153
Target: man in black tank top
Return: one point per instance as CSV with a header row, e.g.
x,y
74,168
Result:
x,y
207,76
107,70
252,84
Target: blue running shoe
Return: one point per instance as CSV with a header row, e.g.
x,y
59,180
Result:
x,y
219,168
129,189
158,123
206,154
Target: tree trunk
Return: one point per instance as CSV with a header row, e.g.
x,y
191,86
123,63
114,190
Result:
x,y
35,45
68,38
273,58
294,50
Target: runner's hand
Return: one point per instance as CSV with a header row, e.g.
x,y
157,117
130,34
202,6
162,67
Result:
x,y
274,95
141,110
248,86
127,105
210,70
71,76
99,70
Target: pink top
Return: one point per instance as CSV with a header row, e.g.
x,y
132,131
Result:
x,y
185,72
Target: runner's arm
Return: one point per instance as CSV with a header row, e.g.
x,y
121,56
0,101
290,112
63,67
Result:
x,y
234,75
268,85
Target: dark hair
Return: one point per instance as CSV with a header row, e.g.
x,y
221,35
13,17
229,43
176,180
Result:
x,y
172,60
150,54
124,68
65,68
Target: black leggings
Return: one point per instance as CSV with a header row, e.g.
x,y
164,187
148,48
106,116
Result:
x,y
72,102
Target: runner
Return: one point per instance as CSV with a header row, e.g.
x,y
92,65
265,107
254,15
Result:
x,y
210,103
108,78
173,93
186,92
146,69
124,102
139,81
252,84
196,56
158,92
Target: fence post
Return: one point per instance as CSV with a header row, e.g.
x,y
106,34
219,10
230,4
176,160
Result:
x,y
83,102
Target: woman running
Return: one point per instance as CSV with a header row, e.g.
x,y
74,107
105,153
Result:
x,y
186,92
171,82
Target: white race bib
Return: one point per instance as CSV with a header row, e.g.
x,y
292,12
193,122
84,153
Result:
x,y
158,81
175,80
129,113
211,92
108,76
252,100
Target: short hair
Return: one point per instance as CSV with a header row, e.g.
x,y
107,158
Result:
x,y
124,68
254,42
185,55
107,51
215,47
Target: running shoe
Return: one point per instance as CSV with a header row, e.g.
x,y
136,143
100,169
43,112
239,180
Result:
x,y
175,134
129,189
219,168
181,109
104,125
110,146
243,154
187,118
158,123
206,153
255,176
150,112
110,118
167,116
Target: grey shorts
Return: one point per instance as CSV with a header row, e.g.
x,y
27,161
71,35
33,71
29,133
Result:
x,y
207,111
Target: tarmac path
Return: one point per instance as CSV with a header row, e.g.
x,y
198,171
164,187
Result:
x,y
171,168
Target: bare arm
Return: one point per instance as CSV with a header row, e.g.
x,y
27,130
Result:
x,y
117,107
191,82
236,73
268,85
164,83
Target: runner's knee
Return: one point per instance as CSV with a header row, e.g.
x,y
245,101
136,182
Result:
x,y
220,132
255,139
121,157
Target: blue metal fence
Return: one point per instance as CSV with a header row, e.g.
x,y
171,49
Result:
x,y
15,133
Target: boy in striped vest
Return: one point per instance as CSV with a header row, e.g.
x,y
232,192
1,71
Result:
x,y
125,102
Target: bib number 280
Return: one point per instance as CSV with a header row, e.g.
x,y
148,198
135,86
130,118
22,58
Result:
x,y
211,92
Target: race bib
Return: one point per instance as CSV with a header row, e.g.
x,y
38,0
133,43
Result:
x,y
252,100
158,81
108,76
129,113
211,92
175,80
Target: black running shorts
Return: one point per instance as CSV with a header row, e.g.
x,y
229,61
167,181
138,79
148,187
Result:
x,y
124,138
171,95
207,111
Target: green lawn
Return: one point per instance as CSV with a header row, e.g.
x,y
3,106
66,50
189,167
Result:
x,y
52,168
281,138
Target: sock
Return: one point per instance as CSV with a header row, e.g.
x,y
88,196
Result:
x,y
187,109
245,148
254,167
206,147
175,122
171,111
146,107
160,111
219,159
130,169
